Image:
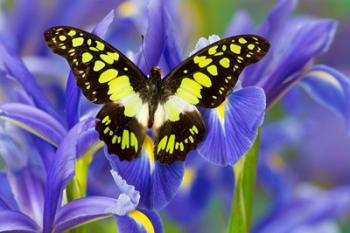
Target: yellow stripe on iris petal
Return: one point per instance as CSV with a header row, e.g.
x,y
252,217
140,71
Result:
x,y
148,147
221,111
188,178
143,220
31,130
325,77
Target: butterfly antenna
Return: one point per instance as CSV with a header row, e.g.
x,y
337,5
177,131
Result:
x,y
143,51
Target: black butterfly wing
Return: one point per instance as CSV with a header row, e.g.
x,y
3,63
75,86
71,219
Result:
x,y
102,72
178,128
106,76
205,78
123,135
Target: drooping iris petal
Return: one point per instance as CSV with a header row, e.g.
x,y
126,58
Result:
x,y
62,170
13,221
87,209
15,67
277,135
73,93
310,40
157,183
165,181
232,128
33,120
307,210
193,195
271,29
330,88
275,178
92,208
140,221
150,52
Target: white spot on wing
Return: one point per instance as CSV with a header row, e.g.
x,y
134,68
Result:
x,y
160,115
182,104
143,115
137,106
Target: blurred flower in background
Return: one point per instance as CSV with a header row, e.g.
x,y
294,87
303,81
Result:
x,y
54,175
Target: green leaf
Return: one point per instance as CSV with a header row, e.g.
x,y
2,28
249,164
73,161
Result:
x,y
242,204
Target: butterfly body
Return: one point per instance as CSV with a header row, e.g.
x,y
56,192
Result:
x,y
154,85
134,102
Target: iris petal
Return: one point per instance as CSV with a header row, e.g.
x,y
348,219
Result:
x,y
87,209
154,38
33,120
140,221
310,40
11,221
15,67
156,182
226,141
62,170
241,23
271,29
330,88
307,210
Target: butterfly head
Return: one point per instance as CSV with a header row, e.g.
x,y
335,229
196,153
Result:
x,y
156,73
155,78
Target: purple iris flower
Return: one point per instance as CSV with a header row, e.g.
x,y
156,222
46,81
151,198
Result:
x,y
73,141
295,43
319,157
26,20
308,210
31,203
202,183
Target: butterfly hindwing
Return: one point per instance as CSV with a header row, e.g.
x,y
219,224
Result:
x,y
205,78
102,72
179,128
123,135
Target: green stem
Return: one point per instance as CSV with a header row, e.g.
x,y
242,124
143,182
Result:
x,y
245,177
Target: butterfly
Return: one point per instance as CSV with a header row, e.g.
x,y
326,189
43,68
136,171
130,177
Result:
x,y
133,102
